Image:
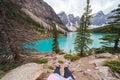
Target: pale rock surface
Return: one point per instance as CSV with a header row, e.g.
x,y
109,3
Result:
x,y
30,71
104,73
97,62
104,55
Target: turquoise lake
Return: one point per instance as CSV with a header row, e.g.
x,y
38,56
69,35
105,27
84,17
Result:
x,y
65,43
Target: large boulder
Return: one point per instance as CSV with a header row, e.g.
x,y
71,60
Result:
x,y
105,73
104,55
30,71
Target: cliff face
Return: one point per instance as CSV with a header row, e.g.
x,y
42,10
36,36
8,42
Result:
x,y
42,11
70,21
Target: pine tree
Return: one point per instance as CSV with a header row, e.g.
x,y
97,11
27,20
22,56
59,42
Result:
x,y
114,28
55,45
82,39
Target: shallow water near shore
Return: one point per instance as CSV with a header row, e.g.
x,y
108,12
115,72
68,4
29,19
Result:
x,y
65,43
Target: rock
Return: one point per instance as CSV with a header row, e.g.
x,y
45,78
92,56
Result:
x,y
69,20
118,56
89,70
104,55
98,18
90,75
117,75
64,18
43,76
76,69
92,57
30,71
97,62
104,73
114,57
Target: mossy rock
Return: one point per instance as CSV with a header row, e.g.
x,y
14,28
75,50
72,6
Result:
x,y
61,62
71,57
41,60
51,67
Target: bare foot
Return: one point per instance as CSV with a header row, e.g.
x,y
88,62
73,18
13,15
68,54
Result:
x,y
55,62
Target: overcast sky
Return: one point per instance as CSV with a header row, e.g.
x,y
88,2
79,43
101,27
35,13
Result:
x,y
76,7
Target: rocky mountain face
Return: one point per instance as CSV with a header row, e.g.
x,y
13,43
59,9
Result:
x,y
98,19
69,20
64,18
41,12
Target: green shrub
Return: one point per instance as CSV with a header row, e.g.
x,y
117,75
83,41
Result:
x,y
60,61
71,57
67,56
41,60
111,50
99,50
114,65
107,49
51,67
75,57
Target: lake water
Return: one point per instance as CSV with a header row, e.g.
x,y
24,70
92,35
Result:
x,y
65,43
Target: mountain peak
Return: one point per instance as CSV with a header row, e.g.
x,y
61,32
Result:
x,y
69,20
71,15
62,12
98,19
100,13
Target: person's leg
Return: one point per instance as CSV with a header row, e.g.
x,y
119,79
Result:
x,y
57,70
67,73
56,64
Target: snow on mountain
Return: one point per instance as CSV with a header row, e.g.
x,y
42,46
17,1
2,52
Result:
x,y
98,19
70,21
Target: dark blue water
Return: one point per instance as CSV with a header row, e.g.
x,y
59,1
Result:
x,y
65,43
